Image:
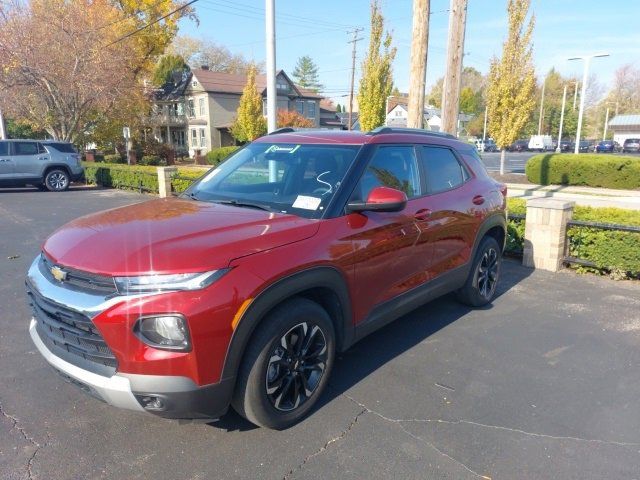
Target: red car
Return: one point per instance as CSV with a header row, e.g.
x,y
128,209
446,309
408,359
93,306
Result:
x,y
241,291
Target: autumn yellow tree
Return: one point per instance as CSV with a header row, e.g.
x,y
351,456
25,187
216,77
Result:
x,y
66,63
512,83
377,75
249,123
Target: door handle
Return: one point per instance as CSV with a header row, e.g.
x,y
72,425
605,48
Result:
x,y
422,214
4,160
43,158
478,200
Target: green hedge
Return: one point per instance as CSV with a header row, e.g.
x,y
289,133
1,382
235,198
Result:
x,y
131,177
153,160
217,155
114,158
613,252
590,169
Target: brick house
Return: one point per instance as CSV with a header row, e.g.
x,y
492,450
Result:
x,y
206,102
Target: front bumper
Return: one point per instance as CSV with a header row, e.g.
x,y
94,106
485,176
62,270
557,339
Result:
x,y
179,396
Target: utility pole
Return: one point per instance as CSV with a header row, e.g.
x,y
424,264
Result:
x,y
271,65
575,97
355,40
3,131
544,84
606,120
585,76
484,130
417,75
455,51
564,99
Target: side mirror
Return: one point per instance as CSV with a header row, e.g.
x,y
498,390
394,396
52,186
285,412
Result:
x,y
380,199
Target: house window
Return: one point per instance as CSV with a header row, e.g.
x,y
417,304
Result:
x,y
201,106
191,109
398,113
194,137
311,110
203,138
282,85
300,107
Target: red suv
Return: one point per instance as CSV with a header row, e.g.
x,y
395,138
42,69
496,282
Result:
x,y
241,291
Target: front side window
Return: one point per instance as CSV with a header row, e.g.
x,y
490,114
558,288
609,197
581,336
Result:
x,y
393,166
442,169
284,178
25,148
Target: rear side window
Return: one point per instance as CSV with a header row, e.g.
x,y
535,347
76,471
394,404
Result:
x,y
4,148
25,148
443,170
62,147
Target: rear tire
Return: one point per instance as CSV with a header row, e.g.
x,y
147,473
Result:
x,y
56,180
480,287
286,365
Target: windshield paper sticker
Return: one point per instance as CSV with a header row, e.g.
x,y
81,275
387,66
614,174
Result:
x,y
307,203
276,148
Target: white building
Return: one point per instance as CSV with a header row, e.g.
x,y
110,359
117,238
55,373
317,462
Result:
x,y
624,127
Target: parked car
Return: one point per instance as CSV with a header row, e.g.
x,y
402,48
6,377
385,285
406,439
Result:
x,y
607,146
541,143
519,146
243,290
585,145
567,146
43,163
631,145
487,145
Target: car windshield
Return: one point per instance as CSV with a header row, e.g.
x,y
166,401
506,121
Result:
x,y
300,179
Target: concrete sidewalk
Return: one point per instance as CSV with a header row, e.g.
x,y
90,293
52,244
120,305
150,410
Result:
x,y
589,196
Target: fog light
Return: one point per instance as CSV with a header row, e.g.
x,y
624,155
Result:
x,y
164,331
151,402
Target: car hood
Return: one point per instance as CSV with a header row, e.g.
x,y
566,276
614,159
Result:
x,y
170,236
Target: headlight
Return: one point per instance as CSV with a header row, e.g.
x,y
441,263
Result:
x,y
167,332
162,283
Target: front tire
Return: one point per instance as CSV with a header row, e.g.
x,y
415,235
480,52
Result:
x,y
286,365
480,287
56,180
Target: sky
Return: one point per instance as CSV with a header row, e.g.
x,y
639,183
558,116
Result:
x,y
563,29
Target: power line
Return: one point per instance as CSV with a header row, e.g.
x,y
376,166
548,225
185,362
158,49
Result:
x,y
131,15
130,34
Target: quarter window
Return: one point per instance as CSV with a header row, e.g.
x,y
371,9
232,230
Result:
x,y
393,166
443,170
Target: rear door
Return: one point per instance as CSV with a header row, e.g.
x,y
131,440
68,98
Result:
x,y
29,158
7,170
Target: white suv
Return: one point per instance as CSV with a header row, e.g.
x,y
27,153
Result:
x,y
44,163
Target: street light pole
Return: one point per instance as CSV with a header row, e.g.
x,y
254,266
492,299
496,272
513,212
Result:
x,y
271,65
606,120
564,99
484,130
585,74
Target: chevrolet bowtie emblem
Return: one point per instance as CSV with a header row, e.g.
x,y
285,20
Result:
x,y
59,274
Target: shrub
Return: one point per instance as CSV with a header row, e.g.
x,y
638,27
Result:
x,y
114,158
153,160
594,170
122,176
216,156
184,178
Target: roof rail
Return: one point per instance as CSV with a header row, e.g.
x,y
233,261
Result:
x,y
282,130
418,131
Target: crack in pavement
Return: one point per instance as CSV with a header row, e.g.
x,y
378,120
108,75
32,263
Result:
x,y
326,445
494,427
16,426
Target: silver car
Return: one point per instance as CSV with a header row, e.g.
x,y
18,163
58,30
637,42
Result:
x,y
44,163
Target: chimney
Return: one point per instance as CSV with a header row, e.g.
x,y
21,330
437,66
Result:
x,y
205,67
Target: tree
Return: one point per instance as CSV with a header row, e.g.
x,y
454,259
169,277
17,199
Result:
x,y
250,123
291,118
435,95
218,58
510,93
470,101
166,67
377,76
23,130
338,108
65,62
306,74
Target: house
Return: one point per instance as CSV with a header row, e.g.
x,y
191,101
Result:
x,y
624,127
328,116
398,113
200,109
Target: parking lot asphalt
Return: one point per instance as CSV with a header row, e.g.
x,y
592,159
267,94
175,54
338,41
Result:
x,y
542,384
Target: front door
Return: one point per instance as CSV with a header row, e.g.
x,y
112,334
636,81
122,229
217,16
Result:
x,y
384,242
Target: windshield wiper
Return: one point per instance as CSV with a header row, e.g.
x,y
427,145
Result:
x,y
236,203
192,196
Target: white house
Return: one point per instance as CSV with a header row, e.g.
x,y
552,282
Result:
x,y
398,113
624,127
